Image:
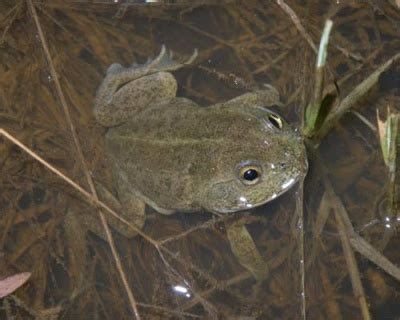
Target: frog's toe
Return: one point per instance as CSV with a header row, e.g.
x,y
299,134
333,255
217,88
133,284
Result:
x,y
164,61
132,211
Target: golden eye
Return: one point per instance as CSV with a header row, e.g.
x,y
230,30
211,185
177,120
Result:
x,y
250,174
275,120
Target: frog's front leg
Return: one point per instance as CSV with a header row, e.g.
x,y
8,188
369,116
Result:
x,y
245,250
263,96
127,91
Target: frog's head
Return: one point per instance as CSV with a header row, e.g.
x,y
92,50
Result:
x,y
255,169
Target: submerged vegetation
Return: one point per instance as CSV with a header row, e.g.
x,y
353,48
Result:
x,y
322,247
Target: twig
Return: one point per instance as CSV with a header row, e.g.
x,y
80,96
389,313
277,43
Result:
x,y
60,94
274,263
364,120
300,226
178,313
356,241
81,158
88,196
351,263
208,224
94,201
297,23
235,280
323,212
212,310
345,228
368,251
354,96
15,11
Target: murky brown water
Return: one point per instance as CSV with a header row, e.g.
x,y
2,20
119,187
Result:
x,y
194,274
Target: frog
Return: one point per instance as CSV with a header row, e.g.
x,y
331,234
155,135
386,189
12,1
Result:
x,y
172,154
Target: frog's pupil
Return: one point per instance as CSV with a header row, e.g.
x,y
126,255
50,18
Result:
x,y
250,175
275,122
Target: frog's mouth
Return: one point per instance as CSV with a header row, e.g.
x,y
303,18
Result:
x,y
226,197
245,203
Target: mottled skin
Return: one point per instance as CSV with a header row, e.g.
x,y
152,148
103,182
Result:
x,y
176,156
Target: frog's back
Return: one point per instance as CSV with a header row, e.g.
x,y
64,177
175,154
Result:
x,y
180,119
169,153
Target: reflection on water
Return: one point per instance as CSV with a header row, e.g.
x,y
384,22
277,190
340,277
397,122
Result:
x,y
181,290
183,267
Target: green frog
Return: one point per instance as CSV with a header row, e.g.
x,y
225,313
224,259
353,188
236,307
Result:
x,y
176,156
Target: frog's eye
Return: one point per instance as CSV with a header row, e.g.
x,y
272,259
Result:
x,y
250,174
275,120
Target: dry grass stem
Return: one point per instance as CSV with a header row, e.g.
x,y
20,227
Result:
x,y
299,230
297,23
181,265
345,228
81,158
355,277
356,94
373,255
88,196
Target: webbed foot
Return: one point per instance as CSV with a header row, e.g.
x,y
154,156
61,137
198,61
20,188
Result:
x,y
164,61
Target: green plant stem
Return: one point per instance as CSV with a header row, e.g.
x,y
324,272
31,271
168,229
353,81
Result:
x,y
353,97
314,108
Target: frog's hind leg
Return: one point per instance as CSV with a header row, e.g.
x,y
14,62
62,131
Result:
x,y
130,209
75,232
127,91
